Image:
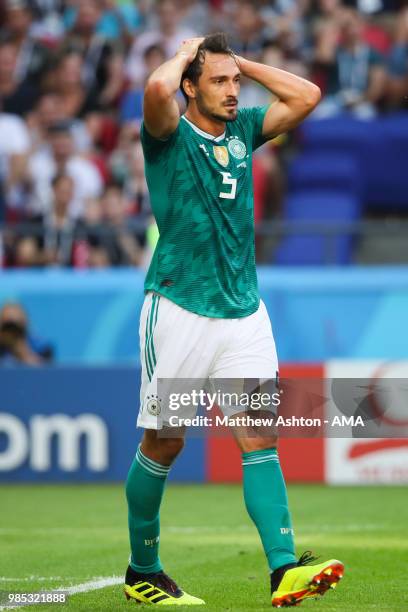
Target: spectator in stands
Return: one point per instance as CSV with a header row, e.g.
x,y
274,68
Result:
x,y
284,24
325,10
127,167
106,236
274,55
33,56
92,216
23,250
47,112
124,247
75,100
98,256
247,39
48,239
14,151
135,186
354,71
397,89
17,96
102,69
89,250
247,36
57,227
61,157
129,136
17,345
47,23
196,15
168,34
132,103
118,21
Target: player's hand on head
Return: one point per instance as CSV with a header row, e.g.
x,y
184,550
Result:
x,y
240,62
189,47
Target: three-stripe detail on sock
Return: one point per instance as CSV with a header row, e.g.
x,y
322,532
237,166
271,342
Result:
x,y
259,458
151,320
151,466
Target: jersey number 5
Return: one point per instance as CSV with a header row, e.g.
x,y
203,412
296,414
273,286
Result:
x,y
228,180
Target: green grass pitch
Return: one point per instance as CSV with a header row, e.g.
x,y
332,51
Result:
x,y
56,536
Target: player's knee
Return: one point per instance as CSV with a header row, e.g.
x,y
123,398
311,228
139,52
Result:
x,y
170,448
248,445
162,450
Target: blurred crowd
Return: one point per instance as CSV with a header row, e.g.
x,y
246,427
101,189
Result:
x,y
72,184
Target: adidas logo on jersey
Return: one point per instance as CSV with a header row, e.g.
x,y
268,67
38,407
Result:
x,y
204,148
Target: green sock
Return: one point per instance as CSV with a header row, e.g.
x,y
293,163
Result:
x,y
267,504
144,491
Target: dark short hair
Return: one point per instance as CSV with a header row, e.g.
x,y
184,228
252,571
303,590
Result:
x,y
113,186
214,43
153,49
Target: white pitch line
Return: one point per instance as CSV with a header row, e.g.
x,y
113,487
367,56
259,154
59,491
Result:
x,y
85,587
35,578
92,585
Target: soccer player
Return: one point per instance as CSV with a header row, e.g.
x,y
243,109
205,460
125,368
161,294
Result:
x,y
202,316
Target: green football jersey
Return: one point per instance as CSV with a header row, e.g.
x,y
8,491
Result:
x,y
202,198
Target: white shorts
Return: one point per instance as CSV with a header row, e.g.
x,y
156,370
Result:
x,y
178,344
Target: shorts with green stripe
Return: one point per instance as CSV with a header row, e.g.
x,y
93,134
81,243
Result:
x,y
177,344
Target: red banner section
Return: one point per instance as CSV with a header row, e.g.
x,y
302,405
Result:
x,y
302,460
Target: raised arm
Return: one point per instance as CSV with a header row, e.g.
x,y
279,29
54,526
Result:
x,y
296,97
160,108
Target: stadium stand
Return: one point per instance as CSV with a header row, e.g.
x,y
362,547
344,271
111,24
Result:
x,y
334,171
378,150
83,65
312,210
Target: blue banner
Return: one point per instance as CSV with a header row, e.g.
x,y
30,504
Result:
x,y
92,317
76,424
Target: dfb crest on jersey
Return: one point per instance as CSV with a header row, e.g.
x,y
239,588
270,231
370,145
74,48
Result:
x,y
237,148
153,405
221,155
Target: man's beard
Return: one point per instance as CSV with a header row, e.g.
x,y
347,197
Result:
x,y
223,118
203,108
